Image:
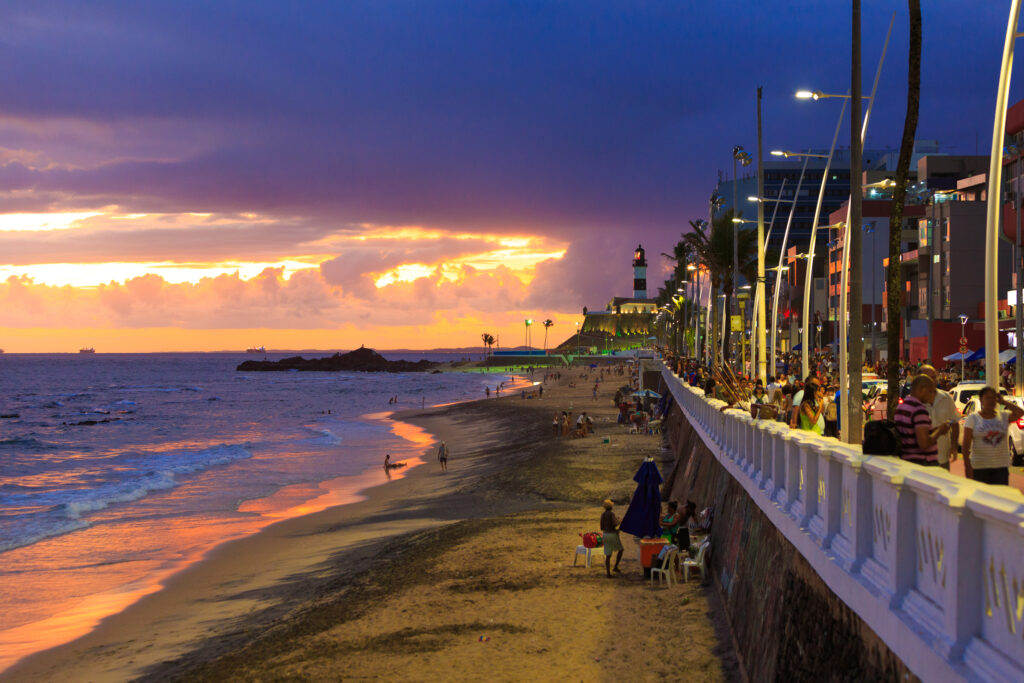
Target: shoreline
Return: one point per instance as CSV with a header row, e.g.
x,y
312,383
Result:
x,y
86,612
199,575
261,606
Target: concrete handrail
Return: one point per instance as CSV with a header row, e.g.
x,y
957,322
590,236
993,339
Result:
x,y
932,562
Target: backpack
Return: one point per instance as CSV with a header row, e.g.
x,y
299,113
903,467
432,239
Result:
x,y
832,412
881,438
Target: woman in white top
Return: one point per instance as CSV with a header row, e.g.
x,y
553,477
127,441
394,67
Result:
x,y
986,452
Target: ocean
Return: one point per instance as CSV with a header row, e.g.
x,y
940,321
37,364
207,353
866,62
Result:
x,y
116,470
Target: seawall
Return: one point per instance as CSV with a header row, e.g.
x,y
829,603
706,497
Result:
x,y
787,623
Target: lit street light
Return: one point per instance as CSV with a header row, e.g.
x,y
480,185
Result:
x,y
818,95
787,154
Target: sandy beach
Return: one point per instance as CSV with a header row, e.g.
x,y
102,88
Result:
x,y
460,575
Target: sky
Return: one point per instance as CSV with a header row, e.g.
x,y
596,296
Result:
x,y
185,176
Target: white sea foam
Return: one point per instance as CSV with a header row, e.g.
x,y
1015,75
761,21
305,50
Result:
x,y
326,438
67,516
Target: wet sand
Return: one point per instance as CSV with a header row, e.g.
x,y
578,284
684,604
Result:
x,y
458,575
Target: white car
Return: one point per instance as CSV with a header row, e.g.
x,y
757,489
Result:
x,y
1016,431
869,382
962,393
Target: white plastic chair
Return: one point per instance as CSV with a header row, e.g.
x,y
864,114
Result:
x,y
696,563
582,550
667,572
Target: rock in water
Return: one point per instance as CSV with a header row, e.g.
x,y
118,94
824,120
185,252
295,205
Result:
x,y
360,360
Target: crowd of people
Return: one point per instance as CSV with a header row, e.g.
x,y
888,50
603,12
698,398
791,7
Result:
x,y
926,426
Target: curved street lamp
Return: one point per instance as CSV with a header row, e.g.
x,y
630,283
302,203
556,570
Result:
x,y
995,193
842,323
805,361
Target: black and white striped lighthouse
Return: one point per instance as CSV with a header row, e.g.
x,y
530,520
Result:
x,y
639,273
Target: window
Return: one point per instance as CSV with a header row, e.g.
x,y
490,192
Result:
x,y
924,231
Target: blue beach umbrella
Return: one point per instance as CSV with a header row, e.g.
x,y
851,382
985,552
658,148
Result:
x,y
644,512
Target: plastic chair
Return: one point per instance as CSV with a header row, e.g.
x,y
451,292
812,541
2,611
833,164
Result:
x,y
696,563
667,571
582,550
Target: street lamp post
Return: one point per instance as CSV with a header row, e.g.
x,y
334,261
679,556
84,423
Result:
x,y
963,335
767,238
870,228
844,270
762,370
577,338
526,334
782,255
995,181
741,157
809,277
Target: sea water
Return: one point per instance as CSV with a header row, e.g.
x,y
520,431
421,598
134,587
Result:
x,y
117,470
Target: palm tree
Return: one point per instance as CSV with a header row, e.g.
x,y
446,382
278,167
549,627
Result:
x,y
547,323
488,340
714,249
893,276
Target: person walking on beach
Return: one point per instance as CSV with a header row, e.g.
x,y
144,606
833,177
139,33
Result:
x,y
442,456
612,543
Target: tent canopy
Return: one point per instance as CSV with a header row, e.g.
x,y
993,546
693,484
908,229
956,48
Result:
x,y
958,356
1004,356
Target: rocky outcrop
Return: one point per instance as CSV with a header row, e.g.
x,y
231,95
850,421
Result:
x,y
360,360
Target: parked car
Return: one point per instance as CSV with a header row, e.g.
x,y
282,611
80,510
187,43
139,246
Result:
x,y
965,391
1016,430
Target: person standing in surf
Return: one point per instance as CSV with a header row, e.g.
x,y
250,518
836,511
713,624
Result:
x,y
442,456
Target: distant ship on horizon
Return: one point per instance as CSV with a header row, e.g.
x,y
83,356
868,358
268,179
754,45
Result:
x,y
88,350
256,349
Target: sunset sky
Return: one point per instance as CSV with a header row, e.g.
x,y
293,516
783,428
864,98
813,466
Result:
x,y
215,175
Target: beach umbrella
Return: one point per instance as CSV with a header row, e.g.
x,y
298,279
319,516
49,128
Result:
x,y
593,365
644,511
646,393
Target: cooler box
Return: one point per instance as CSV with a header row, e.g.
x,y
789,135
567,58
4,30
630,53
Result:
x,y
649,549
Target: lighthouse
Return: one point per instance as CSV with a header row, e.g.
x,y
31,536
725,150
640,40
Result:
x,y
639,273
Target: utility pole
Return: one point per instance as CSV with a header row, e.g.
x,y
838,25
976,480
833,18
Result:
x,y
853,420
762,342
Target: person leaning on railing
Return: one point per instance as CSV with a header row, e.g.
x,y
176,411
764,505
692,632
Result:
x,y
918,436
986,452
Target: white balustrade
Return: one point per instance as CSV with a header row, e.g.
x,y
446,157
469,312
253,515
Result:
x,y
932,562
